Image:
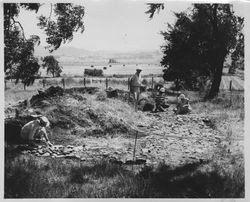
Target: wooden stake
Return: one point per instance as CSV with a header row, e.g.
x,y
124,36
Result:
x,y
106,83
230,88
134,149
63,81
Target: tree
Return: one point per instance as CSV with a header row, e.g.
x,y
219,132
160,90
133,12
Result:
x,y
52,66
59,26
199,41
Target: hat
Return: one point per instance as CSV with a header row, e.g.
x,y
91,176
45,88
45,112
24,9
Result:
x,y
138,70
36,115
182,96
162,90
44,121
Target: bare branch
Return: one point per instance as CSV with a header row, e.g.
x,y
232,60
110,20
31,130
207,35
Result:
x,y
51,5
17,22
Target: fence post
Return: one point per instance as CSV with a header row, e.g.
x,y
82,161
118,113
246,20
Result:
x,y
152,82
230,88
5,84
63,81
128,84
43,83
28,103
134,149
230,85
106,83
84,82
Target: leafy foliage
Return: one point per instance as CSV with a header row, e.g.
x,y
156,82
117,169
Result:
x,y
19,61
52,66
154,7
69,20
198,43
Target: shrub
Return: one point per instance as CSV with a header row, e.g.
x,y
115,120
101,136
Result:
x,y
101,96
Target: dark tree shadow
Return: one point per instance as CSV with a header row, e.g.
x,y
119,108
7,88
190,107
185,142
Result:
x,y
189,182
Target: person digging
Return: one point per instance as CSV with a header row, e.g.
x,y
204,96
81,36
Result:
x,y
160,101
183,106
34,132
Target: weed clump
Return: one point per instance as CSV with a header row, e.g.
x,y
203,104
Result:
x,y
101,96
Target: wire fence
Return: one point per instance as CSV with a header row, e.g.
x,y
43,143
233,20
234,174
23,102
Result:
x,y
68,82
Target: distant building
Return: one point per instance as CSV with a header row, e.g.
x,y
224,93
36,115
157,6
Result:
x,y
112,61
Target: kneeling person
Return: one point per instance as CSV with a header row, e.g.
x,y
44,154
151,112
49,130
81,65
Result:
x,y
35,131
161,101
183,106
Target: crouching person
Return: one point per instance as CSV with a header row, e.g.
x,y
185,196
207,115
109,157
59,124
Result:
x,y
161,101
183,106
35,131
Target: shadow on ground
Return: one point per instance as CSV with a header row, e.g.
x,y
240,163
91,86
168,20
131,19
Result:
x,y
188,181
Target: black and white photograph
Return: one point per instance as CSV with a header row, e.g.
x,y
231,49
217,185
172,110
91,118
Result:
x,y
124,99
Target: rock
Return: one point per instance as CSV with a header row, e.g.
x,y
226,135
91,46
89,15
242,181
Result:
x,y
145,150
116,161
72,156
40,151
67,151
25,152
46,154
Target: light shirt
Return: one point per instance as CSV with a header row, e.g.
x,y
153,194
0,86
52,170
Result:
x,y
30,129
135,80
135,83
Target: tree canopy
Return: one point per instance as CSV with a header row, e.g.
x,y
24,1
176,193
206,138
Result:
x,y
52,65
59,26
198,43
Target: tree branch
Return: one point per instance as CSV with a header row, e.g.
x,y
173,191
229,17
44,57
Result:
x,y
17,22
51,5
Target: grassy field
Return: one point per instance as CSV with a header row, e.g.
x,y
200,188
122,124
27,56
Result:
x,y
27,176
15,93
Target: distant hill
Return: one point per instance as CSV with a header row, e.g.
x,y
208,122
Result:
x,y
77,56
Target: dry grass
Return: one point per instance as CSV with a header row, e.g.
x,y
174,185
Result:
x,y
32,177
14,93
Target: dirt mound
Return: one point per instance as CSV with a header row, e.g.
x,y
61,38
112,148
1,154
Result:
x,y
82,90
48,93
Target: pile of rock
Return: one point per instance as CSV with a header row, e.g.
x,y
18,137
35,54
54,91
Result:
x,y
80,152
55,151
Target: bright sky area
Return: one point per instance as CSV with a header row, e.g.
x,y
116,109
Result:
x,y
120,25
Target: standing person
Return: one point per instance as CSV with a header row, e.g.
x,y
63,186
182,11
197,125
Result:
x,y
183,106
135,87
35,130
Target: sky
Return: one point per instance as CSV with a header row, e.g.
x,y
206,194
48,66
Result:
x,y
115,25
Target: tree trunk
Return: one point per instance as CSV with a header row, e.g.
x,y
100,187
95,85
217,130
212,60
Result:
x,y
216,80
24,86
